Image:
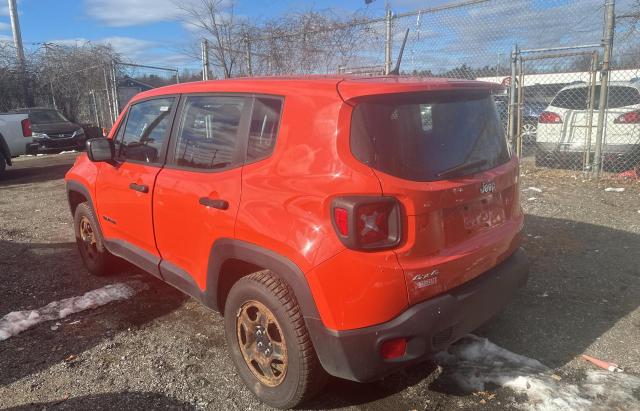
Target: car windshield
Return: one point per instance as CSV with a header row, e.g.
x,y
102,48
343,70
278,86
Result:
x,y
578,98
46,117
425,136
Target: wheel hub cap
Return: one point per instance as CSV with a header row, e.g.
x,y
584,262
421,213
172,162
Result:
x,y
262,343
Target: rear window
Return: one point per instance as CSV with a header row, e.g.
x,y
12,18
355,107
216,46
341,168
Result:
x,y
578,98
421,136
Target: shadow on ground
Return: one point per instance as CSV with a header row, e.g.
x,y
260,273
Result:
x,y
35,274
39,169
113,401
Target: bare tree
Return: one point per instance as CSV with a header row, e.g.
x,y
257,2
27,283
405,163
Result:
x,y
218,22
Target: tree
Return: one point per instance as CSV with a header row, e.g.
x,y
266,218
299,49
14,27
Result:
x,y
218,23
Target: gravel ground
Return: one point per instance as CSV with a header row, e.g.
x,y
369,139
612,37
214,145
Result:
x,y
161,349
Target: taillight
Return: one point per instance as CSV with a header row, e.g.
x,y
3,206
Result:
x,y
367,223
547,117
393,348
632,117
26,128
341,219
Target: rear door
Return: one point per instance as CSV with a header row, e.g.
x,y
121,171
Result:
x,y
197,194
124,189
445,157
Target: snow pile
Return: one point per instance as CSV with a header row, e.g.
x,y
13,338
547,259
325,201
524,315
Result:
x,y
18,321
476,364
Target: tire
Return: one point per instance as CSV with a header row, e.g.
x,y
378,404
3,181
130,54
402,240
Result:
x,y
262,309
3,164
96,258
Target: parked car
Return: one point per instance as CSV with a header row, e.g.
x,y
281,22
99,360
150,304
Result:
x,y
342,226
530,113
52,131
15,138
562,128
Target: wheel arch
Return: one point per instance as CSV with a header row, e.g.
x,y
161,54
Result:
x,y
4,150
232,259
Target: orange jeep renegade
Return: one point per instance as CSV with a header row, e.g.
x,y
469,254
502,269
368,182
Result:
x,y
342,226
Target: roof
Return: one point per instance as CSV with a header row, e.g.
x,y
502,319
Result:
x,y
345,86
633,84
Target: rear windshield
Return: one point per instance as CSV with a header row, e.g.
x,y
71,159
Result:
x,y
421,136
578,98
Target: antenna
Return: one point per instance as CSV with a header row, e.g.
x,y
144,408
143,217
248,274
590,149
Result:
x,y
396,69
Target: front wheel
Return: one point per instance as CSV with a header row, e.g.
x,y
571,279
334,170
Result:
x,y
96,258
269,342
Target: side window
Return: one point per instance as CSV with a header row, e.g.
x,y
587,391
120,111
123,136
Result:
x,y
208,131
146,130
265,120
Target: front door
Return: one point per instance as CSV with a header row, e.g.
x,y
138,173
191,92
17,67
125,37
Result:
x,y
198,192
124,189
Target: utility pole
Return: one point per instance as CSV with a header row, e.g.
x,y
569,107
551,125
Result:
x,y
609,13
205,60
17,42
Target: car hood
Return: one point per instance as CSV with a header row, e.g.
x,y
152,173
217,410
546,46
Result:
x,y
55,128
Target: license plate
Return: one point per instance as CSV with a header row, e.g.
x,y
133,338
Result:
x,y
485,213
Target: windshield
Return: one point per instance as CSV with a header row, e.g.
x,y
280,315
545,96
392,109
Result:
x,y
420,136
578,98
46,117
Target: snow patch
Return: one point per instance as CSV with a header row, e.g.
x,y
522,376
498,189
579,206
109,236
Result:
x,y
18,321
534,189
476,364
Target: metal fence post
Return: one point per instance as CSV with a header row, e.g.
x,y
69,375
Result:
x,y
247,44
205,60
512,96
388,41
107,89
116,104
604,82
586,164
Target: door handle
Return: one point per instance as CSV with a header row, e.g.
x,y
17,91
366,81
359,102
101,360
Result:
x,y
210,202
143,188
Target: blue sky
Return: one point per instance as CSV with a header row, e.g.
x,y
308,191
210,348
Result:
x,y
151,32
148,30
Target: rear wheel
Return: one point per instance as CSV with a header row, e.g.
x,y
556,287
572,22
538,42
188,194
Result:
x,y
3,164
96,258
269,342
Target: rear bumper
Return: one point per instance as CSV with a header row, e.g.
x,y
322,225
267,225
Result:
x,y
32,148
429,326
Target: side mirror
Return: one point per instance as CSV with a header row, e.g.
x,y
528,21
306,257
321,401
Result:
x,y
101,149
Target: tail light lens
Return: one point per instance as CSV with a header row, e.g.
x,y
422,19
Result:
x,y
26,128
393,348
367,223
632,117
549,117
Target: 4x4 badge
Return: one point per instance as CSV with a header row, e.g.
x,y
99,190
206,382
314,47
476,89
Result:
x,y
488,187
427,279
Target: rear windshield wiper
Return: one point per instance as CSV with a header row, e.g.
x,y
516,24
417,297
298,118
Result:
x,y
461,167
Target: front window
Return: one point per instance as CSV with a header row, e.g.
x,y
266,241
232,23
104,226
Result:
x,y
146,129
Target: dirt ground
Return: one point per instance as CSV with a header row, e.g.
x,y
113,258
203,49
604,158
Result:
x,y
161,349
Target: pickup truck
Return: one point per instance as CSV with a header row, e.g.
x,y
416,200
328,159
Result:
x,y
15,138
